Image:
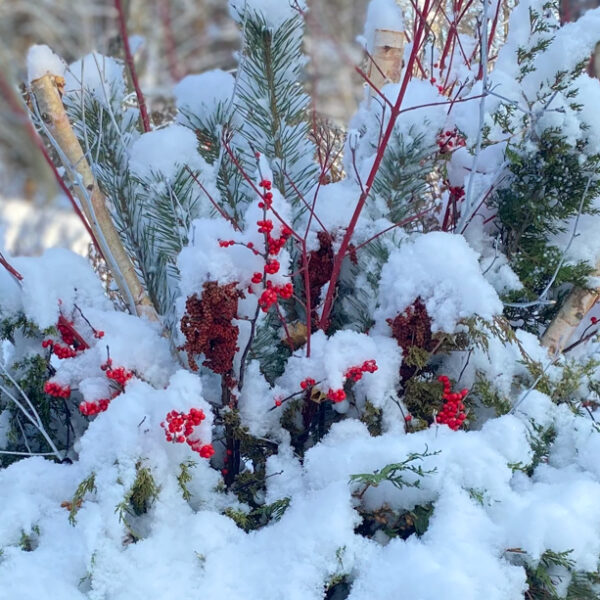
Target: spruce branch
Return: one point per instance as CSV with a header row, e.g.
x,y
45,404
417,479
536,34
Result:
x,y
52,111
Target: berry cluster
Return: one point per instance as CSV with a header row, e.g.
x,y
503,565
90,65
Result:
x,y
593,320
453,413
55,389
447,140
72,344
119,375
267,196
59,349
179,427
90,409
273,245
307,383
356,373
336,395
272,266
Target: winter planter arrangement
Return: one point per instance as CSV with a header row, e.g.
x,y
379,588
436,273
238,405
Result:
x,y
307,365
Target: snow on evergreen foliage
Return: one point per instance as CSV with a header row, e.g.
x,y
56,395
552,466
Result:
x,y
276,432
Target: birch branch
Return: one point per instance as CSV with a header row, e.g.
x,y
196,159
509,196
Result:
x,y
93,202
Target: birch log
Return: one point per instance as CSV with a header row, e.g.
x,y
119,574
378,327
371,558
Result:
x,y
571,313
47,94
388,54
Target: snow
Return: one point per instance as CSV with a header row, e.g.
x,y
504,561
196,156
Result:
x,y
445,273
99,75
58,278
41,60
165,152
202,94
462,554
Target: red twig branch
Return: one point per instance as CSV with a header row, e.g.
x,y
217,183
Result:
x,y
131,66
213,201
170,46
395,111
10,268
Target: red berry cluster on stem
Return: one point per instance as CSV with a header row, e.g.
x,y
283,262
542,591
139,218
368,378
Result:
x,y
356,373
336,395
453,412
72,342
273,246
307,383
272,293
55,389
447,140
90,409
180,426
119,375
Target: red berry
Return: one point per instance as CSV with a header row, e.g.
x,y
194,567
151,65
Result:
x,y
272,267
206,451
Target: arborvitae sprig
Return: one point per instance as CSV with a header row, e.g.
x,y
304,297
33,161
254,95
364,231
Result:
x,y
30,373
551,180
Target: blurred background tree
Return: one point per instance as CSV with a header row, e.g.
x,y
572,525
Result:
x,y
173,38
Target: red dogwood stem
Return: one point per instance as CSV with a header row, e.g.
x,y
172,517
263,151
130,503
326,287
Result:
x,y
131,67
339,257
